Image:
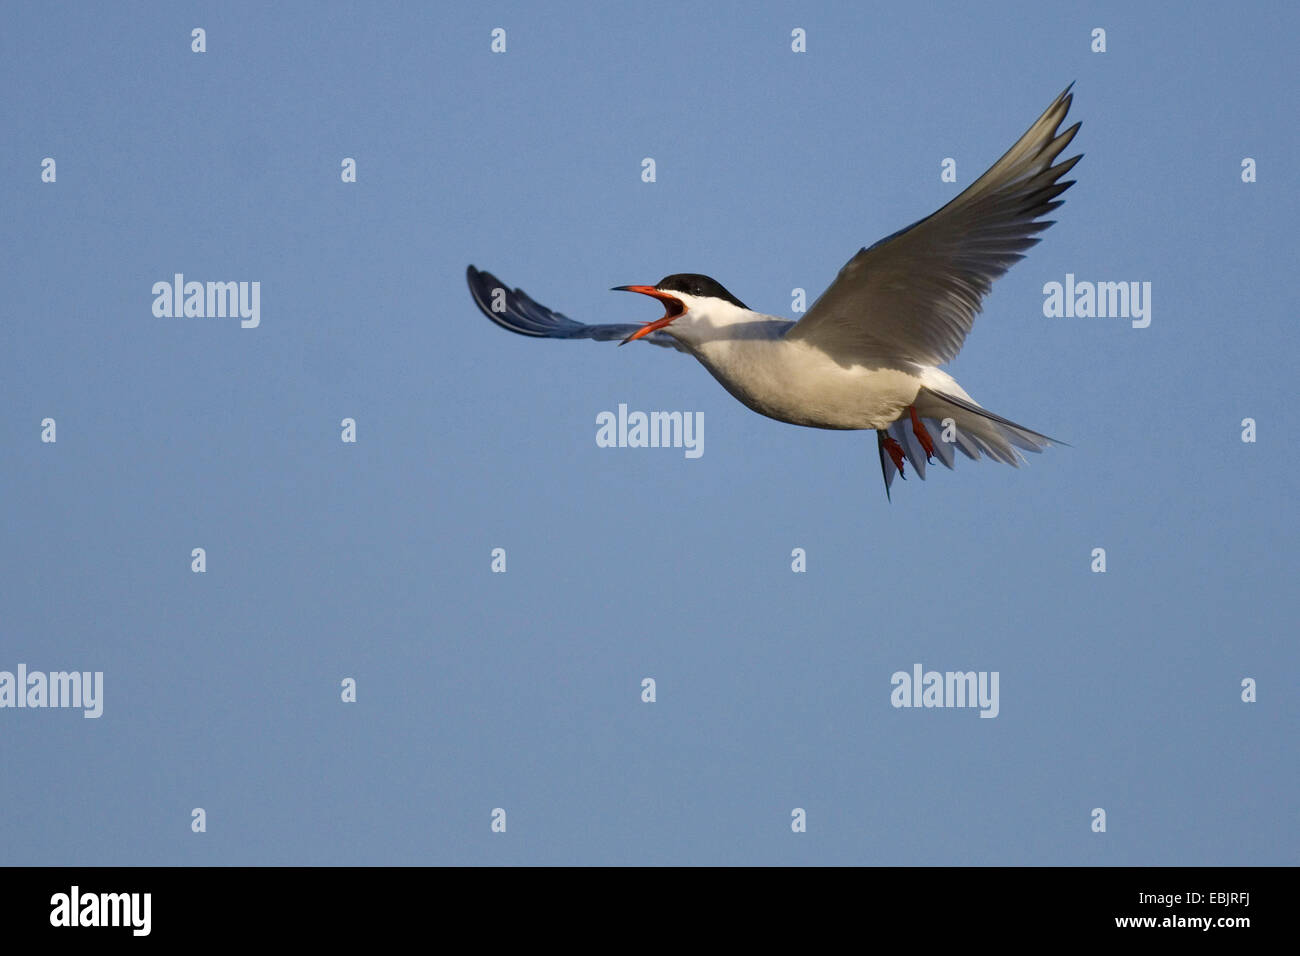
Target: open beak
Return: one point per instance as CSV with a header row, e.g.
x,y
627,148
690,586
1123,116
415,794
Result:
x,y
674,306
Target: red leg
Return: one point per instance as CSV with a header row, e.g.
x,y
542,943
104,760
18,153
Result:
x,y
895,452
923,436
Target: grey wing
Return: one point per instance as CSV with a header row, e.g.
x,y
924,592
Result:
x,y
514,310
914,295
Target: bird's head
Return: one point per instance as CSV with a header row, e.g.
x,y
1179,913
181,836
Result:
x,y
681,294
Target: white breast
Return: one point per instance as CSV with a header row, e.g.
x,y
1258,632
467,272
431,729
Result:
x,y
794,382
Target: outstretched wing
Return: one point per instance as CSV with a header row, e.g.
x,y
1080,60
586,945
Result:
x,y
513,309
913,296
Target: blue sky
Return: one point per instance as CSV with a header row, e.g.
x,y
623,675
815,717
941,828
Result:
x,y
521,690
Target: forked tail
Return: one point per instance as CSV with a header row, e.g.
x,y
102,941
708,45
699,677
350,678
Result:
x,y
947,422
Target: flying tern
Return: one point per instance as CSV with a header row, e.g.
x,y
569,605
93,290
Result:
x,y
866,355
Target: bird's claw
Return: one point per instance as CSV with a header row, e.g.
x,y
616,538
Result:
x,y
923,436
896,454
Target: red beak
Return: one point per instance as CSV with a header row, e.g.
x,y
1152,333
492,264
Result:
x,y
675,309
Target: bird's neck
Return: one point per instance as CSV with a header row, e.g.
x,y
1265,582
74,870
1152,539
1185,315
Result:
x,y
723,321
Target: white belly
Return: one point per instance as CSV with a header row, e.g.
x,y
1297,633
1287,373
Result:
x,y
793,382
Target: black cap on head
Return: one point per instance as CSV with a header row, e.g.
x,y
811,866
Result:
x,y
694,284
